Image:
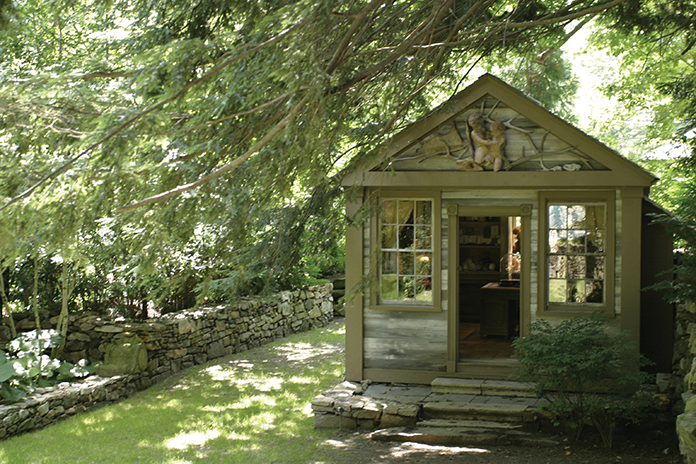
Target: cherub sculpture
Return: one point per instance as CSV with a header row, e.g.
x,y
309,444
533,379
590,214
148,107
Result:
x,y
490,146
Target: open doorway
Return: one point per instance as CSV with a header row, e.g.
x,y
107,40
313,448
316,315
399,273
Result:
x,y
489,287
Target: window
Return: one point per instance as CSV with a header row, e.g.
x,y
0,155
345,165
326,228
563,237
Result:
x,y
576,254
407,260
578,238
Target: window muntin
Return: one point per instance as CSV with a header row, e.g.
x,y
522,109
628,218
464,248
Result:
x,y
406,249
576,254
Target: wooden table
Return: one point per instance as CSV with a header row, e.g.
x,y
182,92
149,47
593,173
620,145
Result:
x,y
500,314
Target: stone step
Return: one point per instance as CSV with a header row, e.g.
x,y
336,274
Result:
x,y
483,387
478,411
480,424
462,436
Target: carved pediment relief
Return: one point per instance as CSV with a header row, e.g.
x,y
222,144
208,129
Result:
x,y
489,136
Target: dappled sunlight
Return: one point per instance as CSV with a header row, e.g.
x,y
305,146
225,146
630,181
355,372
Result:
x,y
301,380
264,421
337,443
185,440
409,448
304,351
264,384
245,403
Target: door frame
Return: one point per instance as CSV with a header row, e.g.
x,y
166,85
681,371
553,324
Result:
x,y
454,211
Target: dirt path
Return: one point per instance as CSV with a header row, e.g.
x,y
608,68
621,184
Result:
x,y
640,448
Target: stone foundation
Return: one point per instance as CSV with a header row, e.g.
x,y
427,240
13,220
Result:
x,y
345,407
173,342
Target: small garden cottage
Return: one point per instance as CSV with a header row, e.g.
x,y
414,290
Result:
x,y
490,213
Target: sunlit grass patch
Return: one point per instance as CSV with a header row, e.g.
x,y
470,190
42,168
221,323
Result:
x,y
253,407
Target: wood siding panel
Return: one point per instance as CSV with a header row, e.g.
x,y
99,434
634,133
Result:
x,y
405,340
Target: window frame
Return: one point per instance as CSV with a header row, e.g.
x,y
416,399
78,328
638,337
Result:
x,y
548,198
376,302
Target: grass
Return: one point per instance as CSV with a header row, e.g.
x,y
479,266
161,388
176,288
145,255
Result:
x,y
252,407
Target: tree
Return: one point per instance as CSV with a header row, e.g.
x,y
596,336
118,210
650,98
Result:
x,y
209,137
655,42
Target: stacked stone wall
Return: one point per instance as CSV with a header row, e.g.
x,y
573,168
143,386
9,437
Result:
x,y
684,369
173,342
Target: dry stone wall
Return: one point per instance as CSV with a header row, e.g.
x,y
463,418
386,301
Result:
x,y
172,343
684,368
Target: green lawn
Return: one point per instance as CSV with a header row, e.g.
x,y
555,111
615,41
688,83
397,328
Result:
x,y
252,407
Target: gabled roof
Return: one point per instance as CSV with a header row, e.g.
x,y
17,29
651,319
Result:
x,y
435,144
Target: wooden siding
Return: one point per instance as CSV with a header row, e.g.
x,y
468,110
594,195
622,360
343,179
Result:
x,y
405,340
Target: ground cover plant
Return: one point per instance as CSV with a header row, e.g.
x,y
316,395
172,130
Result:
x,y
26,365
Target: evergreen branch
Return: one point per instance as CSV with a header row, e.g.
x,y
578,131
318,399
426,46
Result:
x,y
412,38
227,167
342,49
231,116
214,71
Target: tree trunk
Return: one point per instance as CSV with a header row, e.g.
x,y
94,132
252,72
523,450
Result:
x,y
66,290
35,299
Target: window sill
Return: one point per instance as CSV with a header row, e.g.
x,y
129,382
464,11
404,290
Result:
x,y
411,308
576,312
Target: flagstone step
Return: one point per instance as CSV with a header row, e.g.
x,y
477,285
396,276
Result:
x,y
480,424
483,387
476,411
462,436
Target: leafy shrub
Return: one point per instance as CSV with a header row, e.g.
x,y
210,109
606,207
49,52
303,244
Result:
x,y
27,365
587,375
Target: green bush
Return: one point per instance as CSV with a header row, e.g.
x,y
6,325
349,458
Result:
x,y
586,375
28,366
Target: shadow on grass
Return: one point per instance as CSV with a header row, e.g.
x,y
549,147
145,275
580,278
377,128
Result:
x,y
252,407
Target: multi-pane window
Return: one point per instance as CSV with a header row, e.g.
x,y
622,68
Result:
x,y
576,253
406,273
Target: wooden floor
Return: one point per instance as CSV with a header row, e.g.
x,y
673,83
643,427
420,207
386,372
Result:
x,y
473,346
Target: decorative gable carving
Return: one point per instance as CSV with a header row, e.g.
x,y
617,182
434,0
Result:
x,y
490,136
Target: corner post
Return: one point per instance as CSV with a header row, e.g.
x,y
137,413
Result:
x,y
354,299
452,287
629,284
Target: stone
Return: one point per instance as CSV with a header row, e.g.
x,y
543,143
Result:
x,y
176,354
315,312
26,425
42,409
215,350
79,336
109,329
185,326
663,381
394,420
332,421
686,428
125,355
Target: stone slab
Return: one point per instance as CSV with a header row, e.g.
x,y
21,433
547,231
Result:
x,y
503,412
460,436
482,387
459,386
451,423
507,388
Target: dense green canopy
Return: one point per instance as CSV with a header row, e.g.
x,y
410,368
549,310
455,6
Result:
x,y
201,143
